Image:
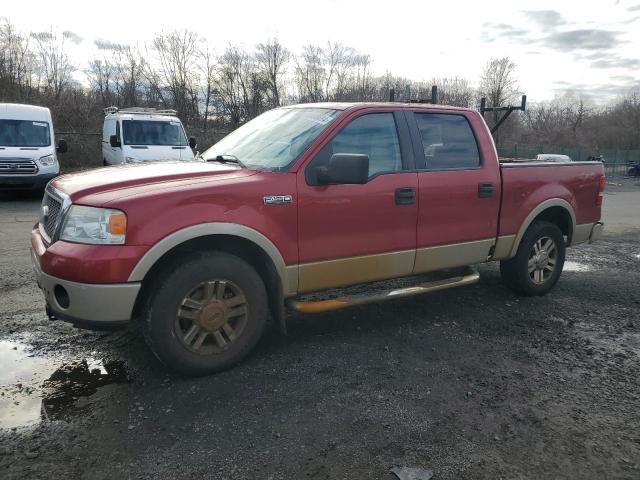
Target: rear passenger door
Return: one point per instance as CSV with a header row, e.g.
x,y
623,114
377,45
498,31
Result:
x,y
351,234
459,197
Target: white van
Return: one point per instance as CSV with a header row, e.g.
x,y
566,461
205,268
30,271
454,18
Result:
x,y
28,155
134,135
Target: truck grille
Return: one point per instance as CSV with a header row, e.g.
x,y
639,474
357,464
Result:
x,y
9,166
50,215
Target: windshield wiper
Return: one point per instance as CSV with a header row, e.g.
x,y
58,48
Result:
x,y
226,158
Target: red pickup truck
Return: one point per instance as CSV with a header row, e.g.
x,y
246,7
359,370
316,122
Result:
x,y
299,208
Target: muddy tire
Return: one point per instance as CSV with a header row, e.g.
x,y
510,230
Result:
x,y
539,260
206,314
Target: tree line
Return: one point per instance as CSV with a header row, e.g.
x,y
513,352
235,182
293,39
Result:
x,y
221,90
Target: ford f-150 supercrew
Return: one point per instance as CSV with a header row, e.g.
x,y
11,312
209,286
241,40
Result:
x,y
298,209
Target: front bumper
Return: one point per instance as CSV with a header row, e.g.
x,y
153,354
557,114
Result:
x,y
93,306
26,182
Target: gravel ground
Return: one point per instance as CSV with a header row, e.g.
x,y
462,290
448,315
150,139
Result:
x,y
471,383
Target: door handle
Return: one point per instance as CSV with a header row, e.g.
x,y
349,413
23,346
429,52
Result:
x,y
405,196
485,190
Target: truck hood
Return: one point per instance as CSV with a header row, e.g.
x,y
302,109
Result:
x,y
111,183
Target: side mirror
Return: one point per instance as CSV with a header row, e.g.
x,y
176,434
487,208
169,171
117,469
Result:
x,y
114,142
344,168
62,146
192,142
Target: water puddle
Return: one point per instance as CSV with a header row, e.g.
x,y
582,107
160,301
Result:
x,y
570,266
35,388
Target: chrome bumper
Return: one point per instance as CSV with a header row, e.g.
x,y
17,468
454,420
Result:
x,y
86,305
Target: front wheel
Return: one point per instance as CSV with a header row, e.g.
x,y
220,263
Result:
x,y
538,263
207,314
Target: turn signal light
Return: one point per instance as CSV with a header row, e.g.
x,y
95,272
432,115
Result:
x,y
118,224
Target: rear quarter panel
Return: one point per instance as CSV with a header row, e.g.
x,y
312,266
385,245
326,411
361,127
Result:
x,y
524,187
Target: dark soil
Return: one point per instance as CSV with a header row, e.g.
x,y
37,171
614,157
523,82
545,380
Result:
x,y
471,383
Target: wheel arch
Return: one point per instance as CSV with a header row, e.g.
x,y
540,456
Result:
x,y
556,211
239,240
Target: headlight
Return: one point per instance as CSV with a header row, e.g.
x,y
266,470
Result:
x,y
94,225
47,160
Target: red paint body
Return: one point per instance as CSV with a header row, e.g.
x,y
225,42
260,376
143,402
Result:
x,y
322,222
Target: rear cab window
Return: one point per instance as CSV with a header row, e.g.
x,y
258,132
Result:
x,y
447,141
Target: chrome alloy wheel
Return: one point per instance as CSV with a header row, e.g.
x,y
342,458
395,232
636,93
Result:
x,y
211,317
542,260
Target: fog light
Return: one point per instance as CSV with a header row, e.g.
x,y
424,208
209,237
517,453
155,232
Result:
x,y
62,297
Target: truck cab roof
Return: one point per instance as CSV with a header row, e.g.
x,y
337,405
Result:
x,y
361,105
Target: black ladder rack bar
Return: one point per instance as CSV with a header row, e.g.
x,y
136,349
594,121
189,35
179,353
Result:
x,y
507,110
433,100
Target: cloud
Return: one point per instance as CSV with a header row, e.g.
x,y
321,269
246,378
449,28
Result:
x,y
103,44
499,31
545,18
584,39
74,37
617,62
625,78
634,8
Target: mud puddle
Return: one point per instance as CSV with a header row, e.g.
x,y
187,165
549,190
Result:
x,y
35,388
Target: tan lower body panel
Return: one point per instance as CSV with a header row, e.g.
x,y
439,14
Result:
x,y
503,248
350,271
430,259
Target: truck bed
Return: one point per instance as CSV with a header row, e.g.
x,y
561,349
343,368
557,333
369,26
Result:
x,y
526,184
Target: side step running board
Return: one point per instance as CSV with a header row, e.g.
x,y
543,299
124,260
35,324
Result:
x,y
377,295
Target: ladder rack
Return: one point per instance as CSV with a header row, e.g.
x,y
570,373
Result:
x,y
140,111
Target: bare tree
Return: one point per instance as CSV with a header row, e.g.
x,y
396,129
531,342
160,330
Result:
x,y
16,63
54,66
498,84
172,77
310,74
272,58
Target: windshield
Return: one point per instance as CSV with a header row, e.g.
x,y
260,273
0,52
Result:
x,y
152,132
24,133
275,139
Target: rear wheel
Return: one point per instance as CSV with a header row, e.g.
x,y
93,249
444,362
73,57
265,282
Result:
x,y
207,314
538,263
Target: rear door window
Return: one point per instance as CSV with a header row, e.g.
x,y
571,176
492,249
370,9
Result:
x,y
448,141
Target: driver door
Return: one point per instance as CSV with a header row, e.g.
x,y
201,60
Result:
x,y
351,234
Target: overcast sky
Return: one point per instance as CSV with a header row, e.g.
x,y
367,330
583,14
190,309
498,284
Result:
x,y
591,46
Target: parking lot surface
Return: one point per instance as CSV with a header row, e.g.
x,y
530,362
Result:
x,y
471,383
